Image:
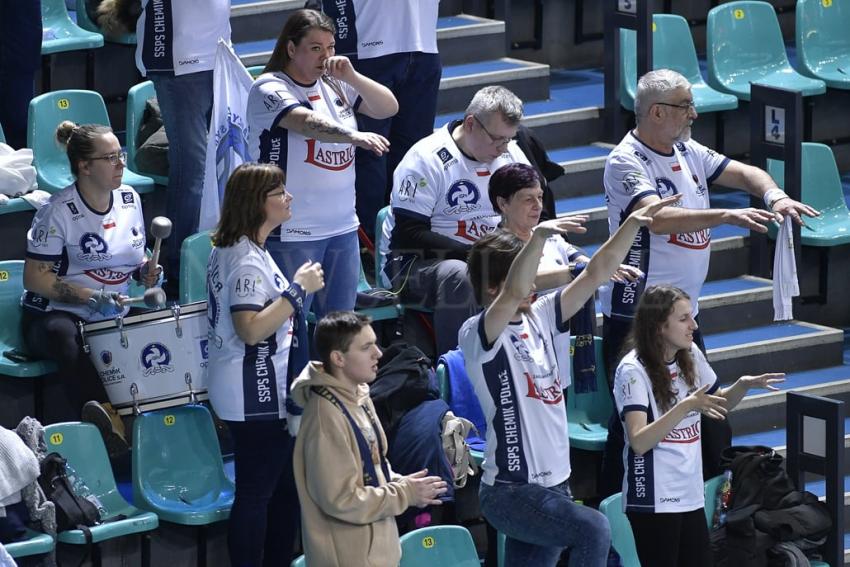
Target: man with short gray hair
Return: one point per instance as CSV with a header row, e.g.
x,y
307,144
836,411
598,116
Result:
x,y
440,206
655,160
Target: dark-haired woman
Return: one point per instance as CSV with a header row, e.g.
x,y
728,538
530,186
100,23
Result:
x,y
250,310
661,387
82,249
301,113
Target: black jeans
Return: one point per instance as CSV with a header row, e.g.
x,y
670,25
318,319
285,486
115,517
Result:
x,y
672,540
265,515
53,335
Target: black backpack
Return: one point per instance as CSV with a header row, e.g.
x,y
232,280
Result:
x,y
405,379
72,510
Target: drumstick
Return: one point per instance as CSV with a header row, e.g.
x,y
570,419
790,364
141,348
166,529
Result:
x,y
153,297
160,229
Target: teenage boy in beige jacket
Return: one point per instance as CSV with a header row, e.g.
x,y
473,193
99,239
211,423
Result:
x,y
349,495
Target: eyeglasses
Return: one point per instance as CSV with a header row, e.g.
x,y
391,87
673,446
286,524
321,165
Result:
x,y
497,140
114,158
276,194
686,106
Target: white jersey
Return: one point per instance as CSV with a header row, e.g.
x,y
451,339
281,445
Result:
x,y
88,248
667,478
438,183
517,382
180,36
372,28
245,382
633,171
319,175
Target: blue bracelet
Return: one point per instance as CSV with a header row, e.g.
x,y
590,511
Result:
x,y
577,269
295,295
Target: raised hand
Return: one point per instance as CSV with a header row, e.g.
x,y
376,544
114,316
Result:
x,y
561,225
375,143
749,218
339,67
706,404
790,207
765,381
625,274
310,276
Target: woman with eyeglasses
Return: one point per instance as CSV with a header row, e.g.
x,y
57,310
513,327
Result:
x,y
83,248
302,118
253,313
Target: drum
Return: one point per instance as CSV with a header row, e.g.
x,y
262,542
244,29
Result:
x,y
154,360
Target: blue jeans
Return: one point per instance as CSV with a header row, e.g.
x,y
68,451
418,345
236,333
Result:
x,y
414,79
265,515
186,105
340,259
540,522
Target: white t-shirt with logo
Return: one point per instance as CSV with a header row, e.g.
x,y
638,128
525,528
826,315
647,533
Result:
x,y
319,175
245,382
517,382
437,183
89,249
667,478
372,28
633,171
180,36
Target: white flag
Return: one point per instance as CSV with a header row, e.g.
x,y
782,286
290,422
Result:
x,y
227,142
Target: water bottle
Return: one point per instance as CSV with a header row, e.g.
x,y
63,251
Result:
x,y
82,490
724,496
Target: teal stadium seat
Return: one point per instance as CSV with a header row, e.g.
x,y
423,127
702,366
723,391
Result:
x,y
87,24
299,562
438,545
46,112
823,42
621,531
60,33
11,289
36,543
672,48
2,135
821,189
744,44
588,413
178,472
137,96
82,446
194,255
256,70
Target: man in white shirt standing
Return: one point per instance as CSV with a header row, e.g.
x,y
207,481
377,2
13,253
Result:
x,y
655,160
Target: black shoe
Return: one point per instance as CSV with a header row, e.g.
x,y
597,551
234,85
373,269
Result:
x,y
100,417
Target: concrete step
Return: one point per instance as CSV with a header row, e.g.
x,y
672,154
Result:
x,y
526,79
778,347
776,437
460,39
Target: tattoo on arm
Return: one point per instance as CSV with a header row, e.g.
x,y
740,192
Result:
x,y
325,130
65,293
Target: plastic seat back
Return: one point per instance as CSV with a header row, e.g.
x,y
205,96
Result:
x,y
299,562
590,407
438,545
194,255
87,24
46,112
823,42
379,239
443,382
60,33
11,288
821,180
82,446
36,543
137,96
621,530
2,135
744,43
177,458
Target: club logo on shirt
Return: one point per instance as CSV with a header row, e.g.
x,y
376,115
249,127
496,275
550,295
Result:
x,y
474,229
75,212
632,180
106,357
126,198
328,159
204,347
274,101
641,156
683,149
278,282
40,235
666,188
694,240
138,239
93,248
521,353
700,191
462,197
688,434
156,359
246,285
